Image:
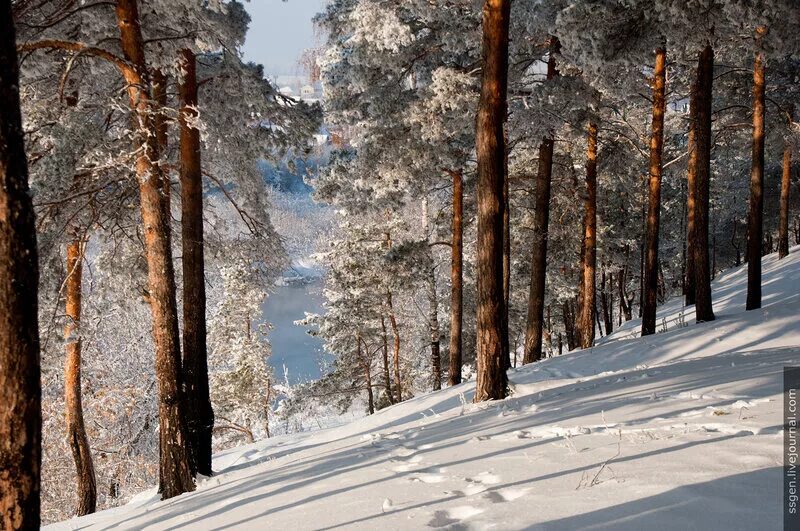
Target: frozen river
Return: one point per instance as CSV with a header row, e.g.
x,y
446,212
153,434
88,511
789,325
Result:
x,y
292,347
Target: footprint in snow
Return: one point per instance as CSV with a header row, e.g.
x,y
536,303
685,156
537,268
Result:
x,y
485,478
505,495
449,517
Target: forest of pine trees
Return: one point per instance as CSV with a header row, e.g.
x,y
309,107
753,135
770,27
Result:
x,y
514,180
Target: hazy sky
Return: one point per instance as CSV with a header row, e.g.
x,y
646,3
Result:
x,y
279,32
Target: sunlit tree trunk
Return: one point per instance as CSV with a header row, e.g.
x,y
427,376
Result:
x,y
20,390
544,176
755,216
650,287
786,183
490,146
76,430
199,415
702,140
586,309
174,473
456,280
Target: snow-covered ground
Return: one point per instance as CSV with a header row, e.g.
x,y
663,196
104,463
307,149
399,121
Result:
x,y
681,430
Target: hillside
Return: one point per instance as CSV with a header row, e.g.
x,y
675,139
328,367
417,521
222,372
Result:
x,y
681,430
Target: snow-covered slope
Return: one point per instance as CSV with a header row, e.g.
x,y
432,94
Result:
x,y
681,430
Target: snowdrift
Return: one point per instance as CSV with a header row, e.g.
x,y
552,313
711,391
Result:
x,y
680,430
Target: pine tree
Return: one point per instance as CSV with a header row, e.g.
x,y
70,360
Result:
x,y
199,415
490,146
175,474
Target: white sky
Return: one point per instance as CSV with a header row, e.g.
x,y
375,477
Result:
x,y
279,32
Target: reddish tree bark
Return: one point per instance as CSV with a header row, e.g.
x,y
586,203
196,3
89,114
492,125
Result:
x,y
755,216
76,430
786,183
20,390
650,287
174,473
490,146
199,414
585,326
456,280
691,201
544,175
702,160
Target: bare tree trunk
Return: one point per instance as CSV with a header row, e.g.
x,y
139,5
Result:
x,y
433,323
199,414
544,176
393,320
367,374
490,146
608,305
702,160
456,280
174,473
76,430
387,381
586,310
654,195
569,323
786,183
433,310
20,390
755,216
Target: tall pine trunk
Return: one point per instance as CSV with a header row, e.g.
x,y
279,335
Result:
x,y
755,216
456,280
174,473
786,183
76,430
20,390
702,160
586,310
199,414
544,175
490,146
650,287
